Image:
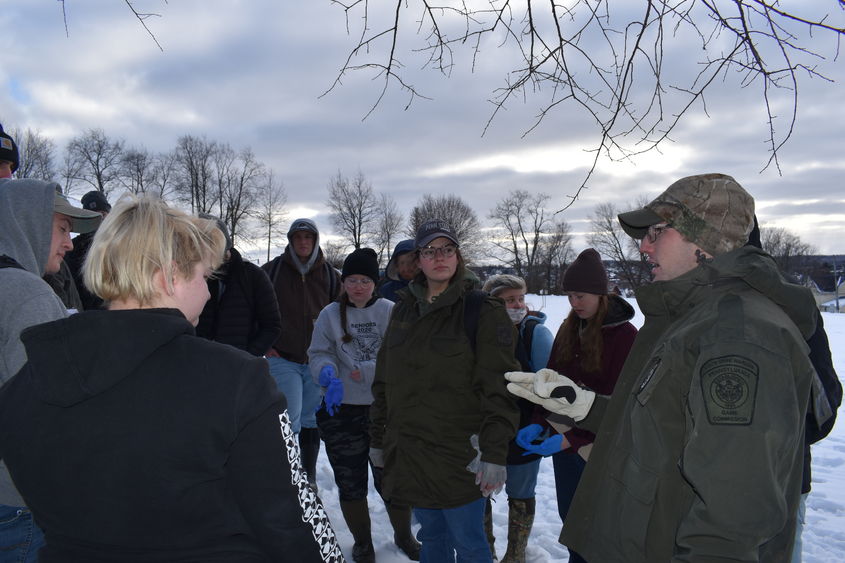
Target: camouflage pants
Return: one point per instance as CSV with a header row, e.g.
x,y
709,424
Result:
x,y
347,439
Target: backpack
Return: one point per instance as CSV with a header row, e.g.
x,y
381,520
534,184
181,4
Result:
x,y
826,392
472,312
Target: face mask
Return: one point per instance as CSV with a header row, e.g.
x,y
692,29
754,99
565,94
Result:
x,y
517,315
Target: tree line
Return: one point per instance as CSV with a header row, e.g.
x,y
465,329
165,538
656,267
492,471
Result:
x,y
523,233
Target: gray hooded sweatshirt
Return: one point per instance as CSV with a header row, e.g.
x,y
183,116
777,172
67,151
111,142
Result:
x,y
26,230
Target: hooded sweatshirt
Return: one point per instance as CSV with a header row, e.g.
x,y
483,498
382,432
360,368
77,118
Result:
x,y
134,440
26,231
302,290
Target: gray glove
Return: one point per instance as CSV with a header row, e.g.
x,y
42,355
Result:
x,y
554,392
489,476
377,457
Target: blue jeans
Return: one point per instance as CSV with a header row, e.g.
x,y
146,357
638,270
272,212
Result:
x,y
522,479
448,530
798,546
302,394
20,538
568,469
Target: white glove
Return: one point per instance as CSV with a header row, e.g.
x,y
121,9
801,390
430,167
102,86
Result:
x,y
554,392
489,476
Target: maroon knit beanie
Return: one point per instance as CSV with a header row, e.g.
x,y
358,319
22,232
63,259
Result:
x,y
586,274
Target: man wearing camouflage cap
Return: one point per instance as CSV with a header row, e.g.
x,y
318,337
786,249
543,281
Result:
x,y
698,454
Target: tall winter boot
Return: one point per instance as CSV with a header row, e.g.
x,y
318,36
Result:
x,y
309,448
520,520
400,519
488,528
357,516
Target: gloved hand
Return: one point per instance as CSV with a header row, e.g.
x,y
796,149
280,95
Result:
x,y
334,389
556,393
377,457
550,445
489,476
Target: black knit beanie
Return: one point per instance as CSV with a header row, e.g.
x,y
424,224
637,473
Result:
x,y
362,261
586,274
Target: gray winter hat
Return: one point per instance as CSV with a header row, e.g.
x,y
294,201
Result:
x,y
710,210
220,225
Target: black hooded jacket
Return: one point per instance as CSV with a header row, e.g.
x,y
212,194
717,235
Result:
x,y
242,310
133,440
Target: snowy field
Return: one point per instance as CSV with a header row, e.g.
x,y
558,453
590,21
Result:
x,y
824,532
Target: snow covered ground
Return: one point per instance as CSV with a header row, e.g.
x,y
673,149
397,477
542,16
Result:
x,y
824,533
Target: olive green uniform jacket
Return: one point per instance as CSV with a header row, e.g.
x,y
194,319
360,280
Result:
x,y
432,392
699,453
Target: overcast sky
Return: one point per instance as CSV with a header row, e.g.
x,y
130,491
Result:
x,y
250,73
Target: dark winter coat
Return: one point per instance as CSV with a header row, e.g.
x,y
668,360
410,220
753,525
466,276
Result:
x,y
617,338
75,259
133,440
242,310
698,456
393,282
301,297
432,392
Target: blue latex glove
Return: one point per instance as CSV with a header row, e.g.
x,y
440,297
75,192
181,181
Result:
x,y
334,389
527,435
533,432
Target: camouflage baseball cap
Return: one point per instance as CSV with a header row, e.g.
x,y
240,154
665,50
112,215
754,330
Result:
x,y
711,210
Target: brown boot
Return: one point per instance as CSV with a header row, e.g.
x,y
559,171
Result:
x,y
400,519
520,520
488,528
357,516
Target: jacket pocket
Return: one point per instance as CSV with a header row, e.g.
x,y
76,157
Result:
x,y
650,378
635,492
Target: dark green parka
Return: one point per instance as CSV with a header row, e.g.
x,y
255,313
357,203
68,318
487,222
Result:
x,y
698,456
431,393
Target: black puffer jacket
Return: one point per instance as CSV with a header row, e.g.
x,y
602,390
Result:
x,y
242,310
133,440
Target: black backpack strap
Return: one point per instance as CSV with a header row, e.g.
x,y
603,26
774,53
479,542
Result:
x,y
472,312
527,336
9,262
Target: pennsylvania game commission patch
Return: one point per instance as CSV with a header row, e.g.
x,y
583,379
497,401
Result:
x,y
729,386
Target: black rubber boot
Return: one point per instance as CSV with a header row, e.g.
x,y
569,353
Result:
x,y
357,516
400,519
309,448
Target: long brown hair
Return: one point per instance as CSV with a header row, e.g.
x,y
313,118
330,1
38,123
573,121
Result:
x,y
590,338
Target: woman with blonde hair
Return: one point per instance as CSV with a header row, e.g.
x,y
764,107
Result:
x,y
132,439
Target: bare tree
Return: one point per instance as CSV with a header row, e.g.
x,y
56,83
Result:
x,y
137,171
388,224
635,69
354,208
608,238
36,155
521,222
334,252
239,194
163,180
785,247
457,213
194,165
97,159
269,211
70,171
555,253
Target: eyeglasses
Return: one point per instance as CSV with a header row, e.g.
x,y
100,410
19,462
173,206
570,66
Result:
x,y
361,281
429,252
655,231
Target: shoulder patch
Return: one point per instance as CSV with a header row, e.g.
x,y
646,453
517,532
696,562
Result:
x,y
504,334
729,387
